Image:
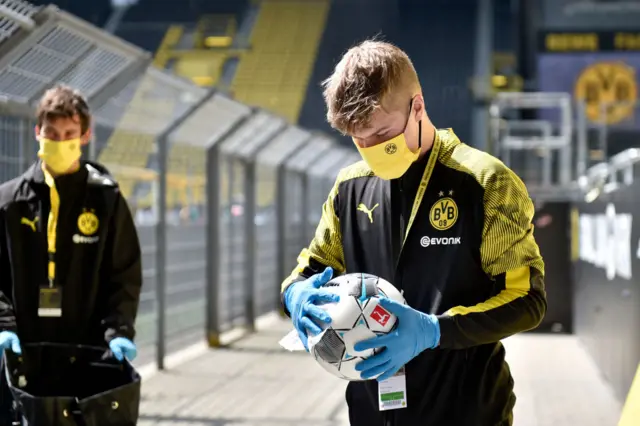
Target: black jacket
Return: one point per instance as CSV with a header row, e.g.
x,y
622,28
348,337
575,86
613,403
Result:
x,y
99,270
470,258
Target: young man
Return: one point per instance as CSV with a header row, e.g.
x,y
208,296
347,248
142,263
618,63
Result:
x,y
70,263
452,230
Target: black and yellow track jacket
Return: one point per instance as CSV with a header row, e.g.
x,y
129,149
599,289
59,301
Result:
x,y
97,258
470,258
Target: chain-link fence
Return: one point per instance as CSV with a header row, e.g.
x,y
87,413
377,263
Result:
x,y
297,210
224,195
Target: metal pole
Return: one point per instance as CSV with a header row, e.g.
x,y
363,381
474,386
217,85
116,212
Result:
x,y
232,253
21,145
547,159
249,243
117,13
565,158
495,144
161,225
605,132
26,142
483,70
213,236
161,250
304,220
281,217
581,124
602,127
213,245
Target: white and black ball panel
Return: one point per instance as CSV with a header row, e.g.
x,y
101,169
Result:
x,y
348,370
346,313
369,286
388,290
360,286
357,334
330,347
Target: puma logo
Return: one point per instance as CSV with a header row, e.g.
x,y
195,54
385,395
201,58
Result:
x,y
30,223
365,209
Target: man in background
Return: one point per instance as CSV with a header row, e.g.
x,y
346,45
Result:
x,y
70,259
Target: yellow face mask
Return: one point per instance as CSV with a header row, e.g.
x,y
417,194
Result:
x,y
59,156
391,159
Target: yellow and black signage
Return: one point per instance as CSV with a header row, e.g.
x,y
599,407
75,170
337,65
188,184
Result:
x,y
609,90
589,41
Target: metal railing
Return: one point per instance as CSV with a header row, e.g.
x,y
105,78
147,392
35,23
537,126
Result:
x,y
224,195
570,151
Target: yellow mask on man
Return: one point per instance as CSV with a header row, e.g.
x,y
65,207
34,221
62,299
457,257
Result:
x,y
59,156
391,159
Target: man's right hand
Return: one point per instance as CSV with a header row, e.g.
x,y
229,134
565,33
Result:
x,y
9,340
301,299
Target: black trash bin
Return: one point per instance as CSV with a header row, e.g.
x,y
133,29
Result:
x,y
72,385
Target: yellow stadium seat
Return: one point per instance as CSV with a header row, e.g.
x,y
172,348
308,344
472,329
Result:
x,y
132,148
275,74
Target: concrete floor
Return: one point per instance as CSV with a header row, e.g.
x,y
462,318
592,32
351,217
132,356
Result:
x,y
255,382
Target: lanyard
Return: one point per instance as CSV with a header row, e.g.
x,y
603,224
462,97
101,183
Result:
x,y
52,224
423,185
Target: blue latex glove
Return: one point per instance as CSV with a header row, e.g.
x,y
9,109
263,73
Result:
x,y
301,299
123,347
9,340
415,332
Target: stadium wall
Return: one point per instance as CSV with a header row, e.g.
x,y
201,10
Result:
x,y
444,71
597,67
606,275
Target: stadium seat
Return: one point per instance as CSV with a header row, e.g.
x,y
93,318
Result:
x,y
275,73
129,145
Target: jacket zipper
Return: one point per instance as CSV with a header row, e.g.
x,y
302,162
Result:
x,y
402,232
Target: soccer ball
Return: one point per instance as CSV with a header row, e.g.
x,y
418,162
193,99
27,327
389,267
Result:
x,y
356,317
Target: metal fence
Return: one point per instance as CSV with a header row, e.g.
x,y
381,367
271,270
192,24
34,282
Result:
x,y
566,144
606,129
224,195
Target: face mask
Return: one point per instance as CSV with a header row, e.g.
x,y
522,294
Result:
x,y
59,156
391,159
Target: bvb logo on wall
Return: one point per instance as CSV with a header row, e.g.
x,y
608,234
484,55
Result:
x,y
612,84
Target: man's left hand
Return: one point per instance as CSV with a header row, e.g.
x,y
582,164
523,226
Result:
x,y
123,348
415,332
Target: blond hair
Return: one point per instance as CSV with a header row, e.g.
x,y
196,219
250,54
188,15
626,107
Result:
x,y
373,74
